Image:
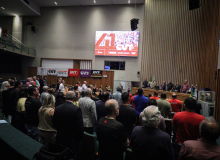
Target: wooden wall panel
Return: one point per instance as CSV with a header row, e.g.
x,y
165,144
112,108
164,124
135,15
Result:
x,y
32,71
181,44
217,98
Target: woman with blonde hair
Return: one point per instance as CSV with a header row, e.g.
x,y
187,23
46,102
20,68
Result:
x,y
46,129
76,100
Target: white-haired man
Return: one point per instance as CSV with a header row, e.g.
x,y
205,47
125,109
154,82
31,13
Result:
x,y
84,88
149,142
88,111
44,93
28,81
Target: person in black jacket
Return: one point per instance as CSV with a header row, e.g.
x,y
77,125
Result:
x,y
100,105
68,122
177,87
170,86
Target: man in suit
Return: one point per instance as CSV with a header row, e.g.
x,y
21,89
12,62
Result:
x,y
88,108
68,122
100,105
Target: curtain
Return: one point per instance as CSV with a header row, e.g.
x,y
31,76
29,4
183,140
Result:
x,y
86,65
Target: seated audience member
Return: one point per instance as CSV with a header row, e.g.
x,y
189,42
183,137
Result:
x,y
44,93
170,86
129,93
61,87
132,99
164,106
185,87
145,83
100,105
60,99
155,96
46,129
206,147
186,124
68,122
6,98
175,103
140,102
111,134
177,87
28,81
127,114
147,141
163,86
32,105
153,84
117,95
77,97
161,124
88,108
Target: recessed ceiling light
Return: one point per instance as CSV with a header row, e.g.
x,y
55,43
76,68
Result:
x,y
94,1
55,3
2,8
128,1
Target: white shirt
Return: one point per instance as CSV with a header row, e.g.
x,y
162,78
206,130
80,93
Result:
x,y
61,87
84,87
79,88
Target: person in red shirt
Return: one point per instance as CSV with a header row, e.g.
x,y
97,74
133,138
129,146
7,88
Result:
x,y
186,124
175,103
130,95
132,98
155,96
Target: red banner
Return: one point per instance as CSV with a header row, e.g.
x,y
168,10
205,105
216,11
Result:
x,y
73,72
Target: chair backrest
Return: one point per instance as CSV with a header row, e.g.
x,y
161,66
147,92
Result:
x,y
129,154
87,148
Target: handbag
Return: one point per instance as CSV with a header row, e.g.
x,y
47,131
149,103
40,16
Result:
x,y
52,151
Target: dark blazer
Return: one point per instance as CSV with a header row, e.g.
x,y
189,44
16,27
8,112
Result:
x,y
100,109
177,87
68,122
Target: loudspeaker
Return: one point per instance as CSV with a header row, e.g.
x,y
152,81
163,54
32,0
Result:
x,y
33,29
134,23
193,4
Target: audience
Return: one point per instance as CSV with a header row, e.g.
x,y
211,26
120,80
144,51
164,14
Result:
x,y
130,95
61,87
164,106
111,134
117,95
149,142
46,129
206,147
60,99
175,103
76,100
44,93
88,108
132,99
58,84
84,88
68,122
127,114
155,96
186,124
6,98
170,86
32,105
100,105
28,81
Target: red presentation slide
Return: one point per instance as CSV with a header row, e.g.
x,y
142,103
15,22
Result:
x,y
117,43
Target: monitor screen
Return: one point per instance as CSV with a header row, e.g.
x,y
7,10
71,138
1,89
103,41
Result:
x,y
116,43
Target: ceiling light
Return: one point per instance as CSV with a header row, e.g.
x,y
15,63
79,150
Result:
x,y
2,8
94,1
55,3
128,1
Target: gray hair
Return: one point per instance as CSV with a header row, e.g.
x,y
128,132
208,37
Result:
x,y
45,88
70,95
119,89
88,92
151,116
5,86
32,82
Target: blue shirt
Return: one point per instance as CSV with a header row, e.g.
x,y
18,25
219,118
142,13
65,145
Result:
x,y
140,103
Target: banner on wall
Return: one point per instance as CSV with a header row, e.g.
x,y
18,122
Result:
x,y
41,71
52,71
96,74
85,73
62,72
73,72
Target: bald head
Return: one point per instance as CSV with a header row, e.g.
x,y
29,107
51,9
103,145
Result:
x,y
110,107
70,95
209,129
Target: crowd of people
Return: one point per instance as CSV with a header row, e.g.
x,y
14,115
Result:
x,y
119,120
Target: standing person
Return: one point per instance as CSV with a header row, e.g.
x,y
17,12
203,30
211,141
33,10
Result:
x,y
111,134
94,90
28,81
100,90
58,84
163,86
84,88
47,131
61,87
186,124
117,95
205,147
170,86
185,87
100,105
145,83
68,122
60,99
45,81
164,106
155,96
149,142
41,83
175,103
177,87
32,105
127,114
132,99
77,97
44,94
6,98
88,108
130,95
